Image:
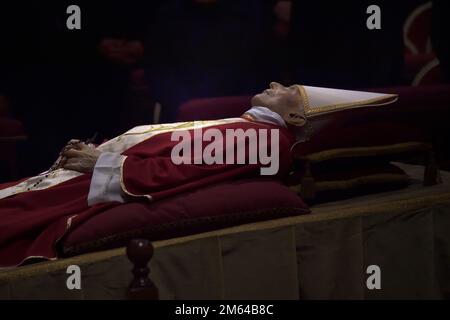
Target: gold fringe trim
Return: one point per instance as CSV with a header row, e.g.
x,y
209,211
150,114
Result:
x,y
355,182
124,188
163,127
365,151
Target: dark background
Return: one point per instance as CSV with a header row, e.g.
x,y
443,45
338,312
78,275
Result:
x,y
64,84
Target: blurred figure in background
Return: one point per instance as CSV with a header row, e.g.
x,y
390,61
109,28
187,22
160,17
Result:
x,y
202,48
72,83
62,83
440,35
331,45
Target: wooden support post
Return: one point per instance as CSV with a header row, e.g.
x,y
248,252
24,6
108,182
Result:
x,y
140,251
308,188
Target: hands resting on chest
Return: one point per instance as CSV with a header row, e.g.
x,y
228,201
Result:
x,y
79,156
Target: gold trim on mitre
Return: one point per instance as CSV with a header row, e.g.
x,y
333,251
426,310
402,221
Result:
x,y
318,101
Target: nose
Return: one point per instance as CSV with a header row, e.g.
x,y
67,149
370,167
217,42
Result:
x,y
274,85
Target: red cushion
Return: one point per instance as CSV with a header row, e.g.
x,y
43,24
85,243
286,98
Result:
x,y
214,108
352,131
426,99
218,206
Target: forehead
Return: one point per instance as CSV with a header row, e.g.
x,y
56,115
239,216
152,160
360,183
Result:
x,y
289,93
293,91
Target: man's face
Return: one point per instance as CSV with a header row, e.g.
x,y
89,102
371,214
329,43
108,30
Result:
x,y
286,101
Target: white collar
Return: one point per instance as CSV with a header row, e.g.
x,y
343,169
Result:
x,y
264,114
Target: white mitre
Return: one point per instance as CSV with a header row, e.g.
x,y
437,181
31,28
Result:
x,y
318,101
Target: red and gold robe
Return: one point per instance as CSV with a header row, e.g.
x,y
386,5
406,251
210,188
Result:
x,y
32,222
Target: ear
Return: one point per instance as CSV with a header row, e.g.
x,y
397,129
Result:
x,y
295,118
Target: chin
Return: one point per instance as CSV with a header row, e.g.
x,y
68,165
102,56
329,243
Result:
x,y
256,100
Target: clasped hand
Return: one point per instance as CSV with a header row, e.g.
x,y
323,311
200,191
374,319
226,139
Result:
x,y
79,156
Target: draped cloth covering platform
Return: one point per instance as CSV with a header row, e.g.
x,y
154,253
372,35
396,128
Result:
x,y
321,255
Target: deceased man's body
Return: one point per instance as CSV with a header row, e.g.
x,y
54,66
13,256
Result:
x,y
148,163
37,212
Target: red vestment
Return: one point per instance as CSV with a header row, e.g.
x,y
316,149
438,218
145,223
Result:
x,y
32,223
